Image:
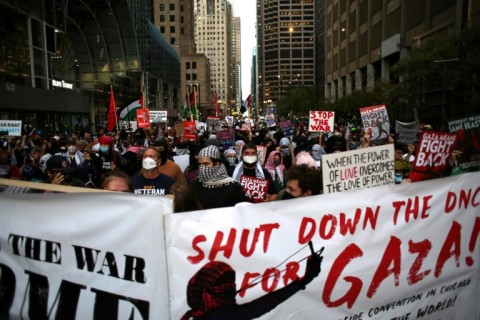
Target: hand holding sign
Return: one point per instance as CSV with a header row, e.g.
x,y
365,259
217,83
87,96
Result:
x,y
314,263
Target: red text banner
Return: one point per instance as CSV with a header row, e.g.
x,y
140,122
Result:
x,y
256,189
407,251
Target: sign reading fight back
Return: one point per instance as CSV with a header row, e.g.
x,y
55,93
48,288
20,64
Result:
x,y
256,189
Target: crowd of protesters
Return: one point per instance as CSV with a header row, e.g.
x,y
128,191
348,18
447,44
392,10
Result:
x,y
142,161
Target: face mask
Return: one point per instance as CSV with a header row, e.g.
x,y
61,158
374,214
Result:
x,y
287,195
149,163
285,151
206,173
317,155
250,159
276,162
96,147
104,148
72,149
232,161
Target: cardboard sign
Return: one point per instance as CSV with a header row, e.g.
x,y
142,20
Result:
x,y
11,128
431,157
321,121
376,122
357,169
143,118
255,188
179,128
468,141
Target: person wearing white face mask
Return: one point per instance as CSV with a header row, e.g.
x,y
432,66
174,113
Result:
x,y
250,167
74,156
149,180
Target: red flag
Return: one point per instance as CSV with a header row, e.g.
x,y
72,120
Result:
x,y
248,103
216,105
193,98
141,102
112,112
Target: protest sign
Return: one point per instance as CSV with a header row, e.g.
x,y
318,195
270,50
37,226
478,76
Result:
x,y
179,128
226,138
158,115
262,154
270,120
431,157
286,127
83,256
11,128
183,161
407,132
213,124
357,169
143,118
190,130
394,252
468,141
376,122
321,121
255,188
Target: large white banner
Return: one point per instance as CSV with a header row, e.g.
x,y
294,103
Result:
x,y
83,256
407,251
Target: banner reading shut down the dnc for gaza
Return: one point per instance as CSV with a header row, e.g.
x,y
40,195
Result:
x,y
407,251
393,252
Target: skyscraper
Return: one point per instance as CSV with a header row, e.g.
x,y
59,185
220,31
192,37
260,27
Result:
x,y
285,48
213,37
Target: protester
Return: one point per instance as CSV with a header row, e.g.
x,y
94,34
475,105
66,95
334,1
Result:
x,y
104,160
231,160
277,170
302,181
149,180
317,153
250,167
287,150
167,166
184,198
117,181
214,188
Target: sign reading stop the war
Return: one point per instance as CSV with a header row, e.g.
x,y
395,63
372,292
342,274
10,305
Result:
x,y
255,188
321,121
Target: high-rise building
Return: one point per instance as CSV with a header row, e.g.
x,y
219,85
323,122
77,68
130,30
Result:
x,y
365,38
285,48
176,22
213,37
237,37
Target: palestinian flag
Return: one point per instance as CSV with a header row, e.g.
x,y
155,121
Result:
x,y
130,112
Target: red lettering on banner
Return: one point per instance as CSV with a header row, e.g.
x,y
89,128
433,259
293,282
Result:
x,y
422,248
412,208
451,247
269,273
391,255
227,248
346,256
246,282
328,224
464,199
473,241
291,272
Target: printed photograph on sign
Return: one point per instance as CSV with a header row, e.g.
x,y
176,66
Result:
x,y
321,121
376,123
